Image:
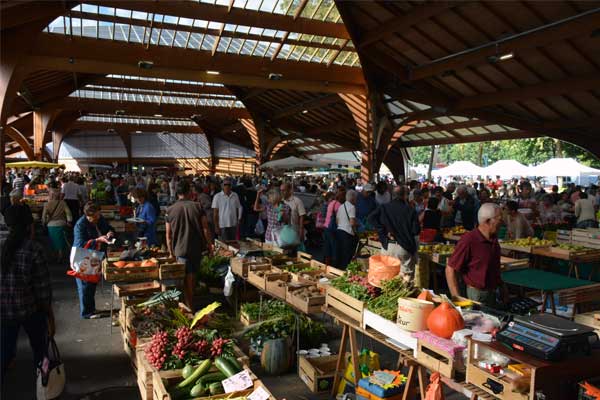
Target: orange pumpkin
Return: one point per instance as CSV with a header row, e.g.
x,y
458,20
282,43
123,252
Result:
x,y
119,264
444,320
148,263
425,295
130,265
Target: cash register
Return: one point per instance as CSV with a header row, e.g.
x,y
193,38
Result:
x,y
547,336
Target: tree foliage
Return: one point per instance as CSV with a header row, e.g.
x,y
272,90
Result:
x,y
525,151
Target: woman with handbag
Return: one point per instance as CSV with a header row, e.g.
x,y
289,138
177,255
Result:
x,y
91,230
56,216
25,292
278,213
345,234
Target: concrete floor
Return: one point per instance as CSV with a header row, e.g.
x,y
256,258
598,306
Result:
x,y
98,369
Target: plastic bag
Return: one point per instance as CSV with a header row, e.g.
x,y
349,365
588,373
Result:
x,y
434,390
259,229
286,236
51,377
86,264
382,268
229,281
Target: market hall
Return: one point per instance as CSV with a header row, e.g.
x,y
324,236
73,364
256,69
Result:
x,y
156,229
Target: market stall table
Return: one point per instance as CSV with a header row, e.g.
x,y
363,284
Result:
x,y
574,258
544,281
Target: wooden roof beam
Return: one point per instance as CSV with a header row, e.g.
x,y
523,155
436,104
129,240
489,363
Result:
x,y
97,106
403,23
81,55
204,31
538,91
237,16
18,137
577,25
161,85
93,125
322,101
520,134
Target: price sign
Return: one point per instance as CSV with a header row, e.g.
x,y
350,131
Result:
x,y
259,394
237,382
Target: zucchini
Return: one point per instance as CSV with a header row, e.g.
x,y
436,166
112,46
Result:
x,y
197,391
187,371
216,388
224,366
212,377
201,370
233,361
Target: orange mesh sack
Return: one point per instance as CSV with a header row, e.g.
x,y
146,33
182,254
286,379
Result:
x,y
381,268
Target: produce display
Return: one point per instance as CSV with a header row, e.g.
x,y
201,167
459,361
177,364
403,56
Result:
x,y
529,241
299,268
355,285
279,321
208,271
571,247
437,249
455,230
444,320
175,348
134,264
198,380
307,292
386,304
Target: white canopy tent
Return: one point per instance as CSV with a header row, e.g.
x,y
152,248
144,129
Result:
x,y
563,167
459,168
507,169
292,163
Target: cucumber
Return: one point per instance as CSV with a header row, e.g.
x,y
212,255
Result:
x,y
201,370
187,371
197,391
224,366
212,377
233,361
216,388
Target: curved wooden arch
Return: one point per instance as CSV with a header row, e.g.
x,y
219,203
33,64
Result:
x,y
21,140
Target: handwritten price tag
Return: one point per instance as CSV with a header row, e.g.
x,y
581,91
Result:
x,y
237,382
259,394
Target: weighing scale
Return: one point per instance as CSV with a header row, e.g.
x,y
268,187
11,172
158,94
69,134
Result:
x,y
547,336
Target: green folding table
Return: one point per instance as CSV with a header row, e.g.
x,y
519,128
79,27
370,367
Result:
x,y
544,281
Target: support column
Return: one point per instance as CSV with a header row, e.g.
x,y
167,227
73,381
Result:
x,y
41,121
360,108
126,138
2,159
58,135
253,129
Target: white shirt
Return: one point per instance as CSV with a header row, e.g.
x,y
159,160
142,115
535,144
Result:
x,y
70,190
346,212
230,209
584,210
297,210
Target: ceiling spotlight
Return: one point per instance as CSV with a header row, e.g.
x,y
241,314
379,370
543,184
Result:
x,y
19,94
304,111
145,64
164,133
213,72
234,131
275,77
196,116
119,112
110,130
501,57
138,131
158,115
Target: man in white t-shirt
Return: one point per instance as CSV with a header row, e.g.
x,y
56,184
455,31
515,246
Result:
x,y
297,209
227,212
345,236
71,195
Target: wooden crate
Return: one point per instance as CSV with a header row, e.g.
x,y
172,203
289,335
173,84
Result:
x,y
129,274
257,273
246,320
165,379
318,373
522,249
345,304
240,266
311,305
171,271
439,360
136,289
145,373
276,284
591,318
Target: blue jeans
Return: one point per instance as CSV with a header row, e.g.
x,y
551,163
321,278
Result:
x,y
36,327
87,300
588,223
